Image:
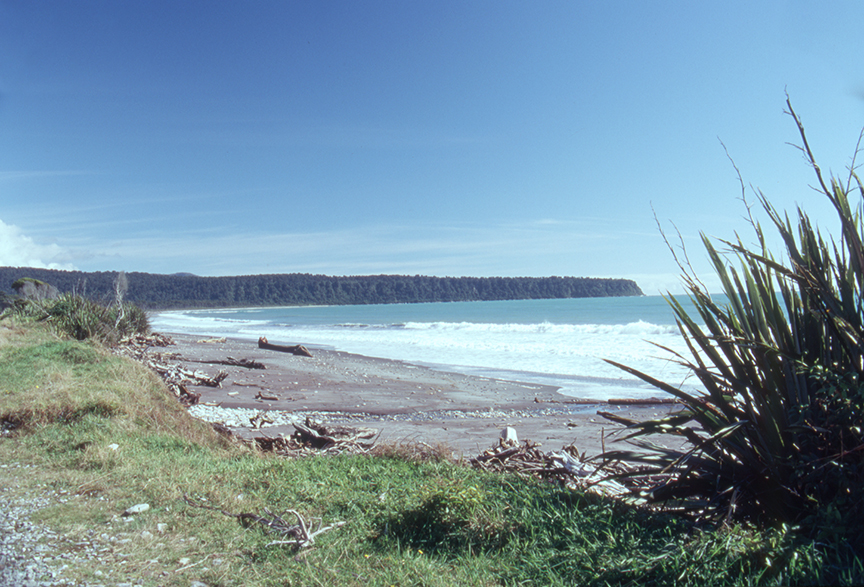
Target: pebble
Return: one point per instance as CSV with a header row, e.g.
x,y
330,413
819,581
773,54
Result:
x,y
137,509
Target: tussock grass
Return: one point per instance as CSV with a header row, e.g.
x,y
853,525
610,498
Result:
x,y
101,434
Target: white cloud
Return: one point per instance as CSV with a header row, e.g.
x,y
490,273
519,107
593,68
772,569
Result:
x,y
19,250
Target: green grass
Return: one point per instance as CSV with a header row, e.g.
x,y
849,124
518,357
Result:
x,y
409,521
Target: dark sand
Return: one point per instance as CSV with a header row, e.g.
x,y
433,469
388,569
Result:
x,y
407,403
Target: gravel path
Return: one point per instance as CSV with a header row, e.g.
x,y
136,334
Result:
x,y
32,555
28,554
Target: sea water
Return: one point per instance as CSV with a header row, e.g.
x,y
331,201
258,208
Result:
x,y
554,342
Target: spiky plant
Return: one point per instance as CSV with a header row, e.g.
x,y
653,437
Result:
x,y
81,318
775,436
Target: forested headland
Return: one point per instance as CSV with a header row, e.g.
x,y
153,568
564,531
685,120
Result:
x,y
155,291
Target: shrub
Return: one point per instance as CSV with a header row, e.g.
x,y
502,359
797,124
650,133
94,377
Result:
x,y
76,316
775,437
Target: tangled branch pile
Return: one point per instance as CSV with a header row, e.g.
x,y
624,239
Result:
x,y
299,535
176,377
566,467
315,438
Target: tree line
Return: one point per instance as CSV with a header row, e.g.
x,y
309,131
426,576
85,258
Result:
x,y
156,291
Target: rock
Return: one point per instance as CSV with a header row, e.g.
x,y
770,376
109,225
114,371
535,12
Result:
x,y
137,509
161,528
508,436
34,289
145,535
113,446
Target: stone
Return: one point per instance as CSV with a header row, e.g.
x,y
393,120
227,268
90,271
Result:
x,y
508,436
137,509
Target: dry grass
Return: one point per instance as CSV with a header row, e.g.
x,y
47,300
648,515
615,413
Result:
x,y
414,451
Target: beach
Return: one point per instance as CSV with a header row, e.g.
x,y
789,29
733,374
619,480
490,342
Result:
x,y
407,403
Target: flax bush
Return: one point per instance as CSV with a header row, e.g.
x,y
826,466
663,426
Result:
x,y
775,437
81,318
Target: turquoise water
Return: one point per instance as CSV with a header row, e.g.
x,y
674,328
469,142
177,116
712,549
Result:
x,y
556,342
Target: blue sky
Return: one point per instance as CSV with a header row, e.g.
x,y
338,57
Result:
x,y
437,138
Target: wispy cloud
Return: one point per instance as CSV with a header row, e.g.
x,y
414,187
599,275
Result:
x,y
466,249
19,250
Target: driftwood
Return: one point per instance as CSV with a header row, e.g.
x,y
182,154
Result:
x,y
299,535
314,438
296,349
176,373
324,437
654,401
567,466
186,397
176,377
616,418
222,429
259,419
231,361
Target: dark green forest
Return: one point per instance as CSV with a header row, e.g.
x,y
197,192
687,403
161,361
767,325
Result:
x,y
154,291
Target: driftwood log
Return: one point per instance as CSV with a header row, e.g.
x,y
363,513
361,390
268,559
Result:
x,y
296,349
323,437
314,438
654,401
616,418
231,361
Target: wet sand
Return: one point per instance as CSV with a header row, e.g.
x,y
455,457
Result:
x,y
407,403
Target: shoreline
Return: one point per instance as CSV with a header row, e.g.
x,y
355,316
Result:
x,y
407,403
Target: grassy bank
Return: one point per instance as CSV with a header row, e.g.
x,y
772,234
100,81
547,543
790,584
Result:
x,y
100,434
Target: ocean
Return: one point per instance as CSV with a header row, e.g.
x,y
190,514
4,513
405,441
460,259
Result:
x,y
552,342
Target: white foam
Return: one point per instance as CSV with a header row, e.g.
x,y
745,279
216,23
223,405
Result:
x,y
565,354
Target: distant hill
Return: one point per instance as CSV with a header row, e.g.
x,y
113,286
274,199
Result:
x,y
183,290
